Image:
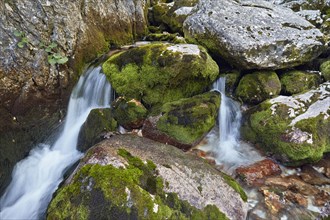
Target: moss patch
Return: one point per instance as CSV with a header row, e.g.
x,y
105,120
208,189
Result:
x,y
325,70
134,192
155,75
187,120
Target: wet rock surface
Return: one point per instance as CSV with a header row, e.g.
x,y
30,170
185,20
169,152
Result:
x,y
150,180
254,34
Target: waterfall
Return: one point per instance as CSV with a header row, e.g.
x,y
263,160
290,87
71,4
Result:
x,y
225,144
36,178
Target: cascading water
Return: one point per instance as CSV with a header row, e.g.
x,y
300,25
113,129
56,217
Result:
x,y
36,178
229,151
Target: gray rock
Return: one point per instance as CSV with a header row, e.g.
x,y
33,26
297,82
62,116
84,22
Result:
x,y
254,34
193,182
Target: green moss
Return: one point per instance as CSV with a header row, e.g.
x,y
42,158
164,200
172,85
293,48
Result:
x,y
296,81
258,86
187,120
154,75
325,70
122,193
236,186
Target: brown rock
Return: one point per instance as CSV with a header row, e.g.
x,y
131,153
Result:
x,y
312,176
321,198
296,198
325,165
254,174
273,201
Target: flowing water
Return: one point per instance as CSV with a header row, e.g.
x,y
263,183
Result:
x,y
36,178
225,142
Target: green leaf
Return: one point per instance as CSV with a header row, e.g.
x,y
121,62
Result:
x,y
25,40
51,60
62,60
18,33
21,44
48,49
53,45
41,44
57,56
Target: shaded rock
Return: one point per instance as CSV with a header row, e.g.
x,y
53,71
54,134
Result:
x,y
171,15
258,86
185,122
159,73
232,80
311,176
256,173
129,113
294,129
322,198
324,165
98,123
296,81
127,177
296,198
325,70
254,34
165,36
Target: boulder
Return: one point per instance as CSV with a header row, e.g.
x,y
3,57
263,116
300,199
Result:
x,y
325,70
295,129
296,81
185,122
36,39
128,177
258,86
98,123
129,113
254,34
159,73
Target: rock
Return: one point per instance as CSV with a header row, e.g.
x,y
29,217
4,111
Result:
x,y
324,165
129,113
171,15
325,70
321,198
185,122
232,79
98,123
272,201
159,73
311,176
296,81
258,86
256,173
165,36
296,198
295,129
254,34
35,92
128,177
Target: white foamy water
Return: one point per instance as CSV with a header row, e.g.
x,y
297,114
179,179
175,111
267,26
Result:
x,y
225,142
36,178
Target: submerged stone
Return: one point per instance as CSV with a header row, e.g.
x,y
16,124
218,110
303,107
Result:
x,y
128,177
258,86
294,128
158,73
185,122
254,34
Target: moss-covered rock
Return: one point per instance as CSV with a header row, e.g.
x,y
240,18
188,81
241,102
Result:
x,y
295,129
185,122
325,70
258,86
232,79
129,113
158,73
171,15
97,124
296,81
165,36
127,177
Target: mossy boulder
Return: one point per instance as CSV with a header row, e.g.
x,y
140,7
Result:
x,y
294,128
232,80
296,81
129,113
258,86
158,73
325,70
165,36
171,15
185,122
128,177
98,123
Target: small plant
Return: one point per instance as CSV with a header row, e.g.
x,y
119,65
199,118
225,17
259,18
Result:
x,y
54,57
